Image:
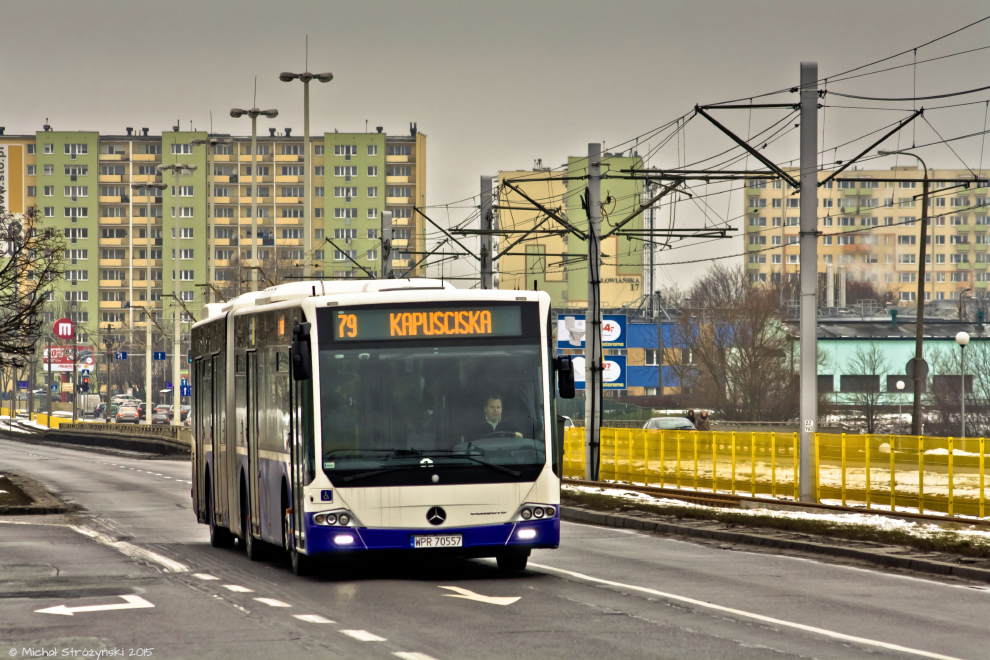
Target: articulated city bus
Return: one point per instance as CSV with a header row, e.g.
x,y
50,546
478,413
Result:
x,y
400,415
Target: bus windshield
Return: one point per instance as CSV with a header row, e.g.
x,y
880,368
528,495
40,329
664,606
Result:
x,y
469,414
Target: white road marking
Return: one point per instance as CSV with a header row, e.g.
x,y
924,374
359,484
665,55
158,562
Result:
x,y
271,602
470,595
238,588
133,551
750,615
205,576
412,656
133,603
363,635
313,618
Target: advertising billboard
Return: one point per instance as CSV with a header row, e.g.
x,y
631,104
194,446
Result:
x,y
571,331
62,358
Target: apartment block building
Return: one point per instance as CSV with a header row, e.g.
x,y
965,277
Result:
x,y
91,188
557,263
869,231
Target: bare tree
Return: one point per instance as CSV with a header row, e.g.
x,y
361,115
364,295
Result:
x,y
866,397
31,262
741,362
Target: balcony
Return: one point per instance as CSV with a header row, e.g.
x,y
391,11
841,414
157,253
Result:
x,y
261,159
980,247
147,158
749,228
114,262
112,156
980,265
398,200
404,179
223,200
401,263
286,242
288,221
143,199
400,243
221,263
852,192
408,222
111,178
223,242
113,241
288,158
980,285
288,200
749,209
111,304
964,266
400,159
261,200
962,247
146,178
751,266
112,283
754,248
288,179
222,158
113,221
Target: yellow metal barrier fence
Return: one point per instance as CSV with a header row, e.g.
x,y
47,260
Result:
x,y
937,475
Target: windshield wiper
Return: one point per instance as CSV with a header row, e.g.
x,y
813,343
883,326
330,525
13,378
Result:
x,y
372,473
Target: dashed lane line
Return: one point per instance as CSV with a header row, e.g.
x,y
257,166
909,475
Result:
x,y
205,576
749,615
271,602
313,618
238,588
363,636
412,656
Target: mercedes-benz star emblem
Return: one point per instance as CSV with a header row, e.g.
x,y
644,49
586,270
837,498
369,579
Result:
x,y
436,515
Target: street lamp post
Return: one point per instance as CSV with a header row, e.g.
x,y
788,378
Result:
x,y
211,169
253,113
307,172
962,338
900,403
108,341
148,306
916,426
176,169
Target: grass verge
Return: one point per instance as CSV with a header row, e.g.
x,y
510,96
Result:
x,y
927,538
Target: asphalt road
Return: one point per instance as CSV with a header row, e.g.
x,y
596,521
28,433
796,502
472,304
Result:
x,y
605,593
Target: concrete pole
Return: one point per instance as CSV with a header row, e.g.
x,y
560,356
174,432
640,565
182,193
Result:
x,y
148,310
830,283
307,180
809,271
842,285
254,200
387,273
211,221
48,382
487,279
176,310
593,318
75,367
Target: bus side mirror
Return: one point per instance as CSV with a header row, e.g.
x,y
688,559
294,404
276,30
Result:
x,y
301,355
564,366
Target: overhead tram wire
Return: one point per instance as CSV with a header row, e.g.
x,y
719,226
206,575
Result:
x,y
911,98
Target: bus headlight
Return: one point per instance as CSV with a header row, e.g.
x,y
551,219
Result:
x,y
535,511
337,518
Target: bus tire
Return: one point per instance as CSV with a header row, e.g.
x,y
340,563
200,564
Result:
x,y
220,537
302,565
512,562
252,547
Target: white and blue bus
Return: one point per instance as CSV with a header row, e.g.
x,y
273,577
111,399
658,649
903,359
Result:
x,y
367,415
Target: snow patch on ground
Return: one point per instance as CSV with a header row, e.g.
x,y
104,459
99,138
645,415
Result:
x,y
918,529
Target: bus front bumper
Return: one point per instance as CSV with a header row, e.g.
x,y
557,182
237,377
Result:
x,y
478,541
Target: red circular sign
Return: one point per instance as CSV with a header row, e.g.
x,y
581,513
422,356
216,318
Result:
x,y
65,329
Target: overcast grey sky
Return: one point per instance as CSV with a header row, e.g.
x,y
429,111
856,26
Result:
x,y
494,85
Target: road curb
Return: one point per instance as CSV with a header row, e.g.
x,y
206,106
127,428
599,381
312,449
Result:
x,y
578,514
42,501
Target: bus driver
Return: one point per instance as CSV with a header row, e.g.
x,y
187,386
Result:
x,y
494,422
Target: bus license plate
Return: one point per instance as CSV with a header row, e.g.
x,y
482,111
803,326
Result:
x,y
447,541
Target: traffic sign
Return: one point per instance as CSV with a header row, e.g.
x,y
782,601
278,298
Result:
x,y
185,390
184,382
120,355
168,386
159,355
909,370
85,372
65,329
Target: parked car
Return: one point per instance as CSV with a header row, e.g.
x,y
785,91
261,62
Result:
x,y
669,424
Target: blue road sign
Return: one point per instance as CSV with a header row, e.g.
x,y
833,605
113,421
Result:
x,y
85,372
168,386
185,391
184,383
159,355
22,384
120,355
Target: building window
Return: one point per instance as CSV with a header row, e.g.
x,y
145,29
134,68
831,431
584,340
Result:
x,y
372,214
184,211
181,148
293,191
346,170
400,192
293,170
318,170
291,233
318,150
341,256
373,234
372,149
317,213
32,191
345,192
184,191
399,150
318,191
344,150
373,191
291,150
76,191
345,213
372,255
373,170
49,211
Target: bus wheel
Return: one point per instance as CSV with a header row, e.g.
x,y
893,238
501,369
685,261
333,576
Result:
x,y
301,564
512,562
220,537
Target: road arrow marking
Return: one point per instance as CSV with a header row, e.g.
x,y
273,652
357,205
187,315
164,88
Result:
x,y
491,600
133,603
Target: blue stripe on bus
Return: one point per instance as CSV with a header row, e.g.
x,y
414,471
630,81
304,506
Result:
x,y
320,539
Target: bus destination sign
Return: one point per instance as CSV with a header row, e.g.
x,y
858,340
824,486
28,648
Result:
x,y
424,323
